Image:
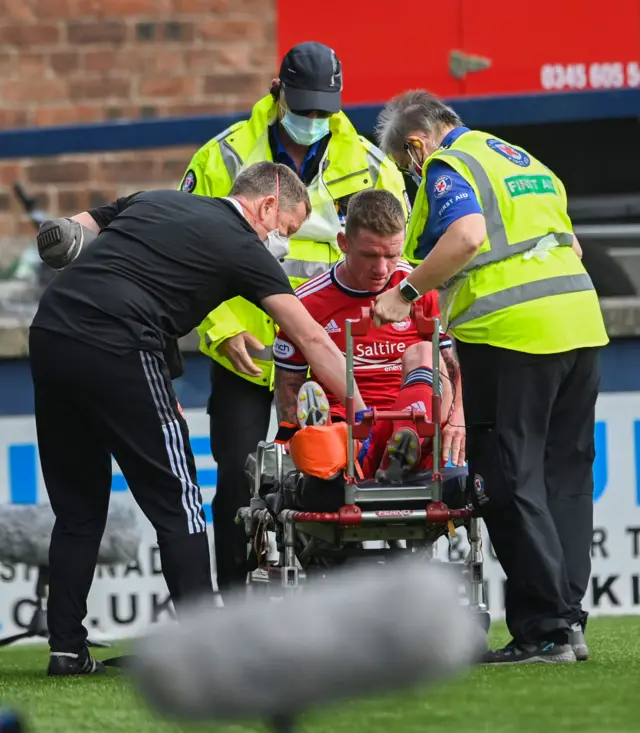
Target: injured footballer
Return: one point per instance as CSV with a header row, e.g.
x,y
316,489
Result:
x,y
392,363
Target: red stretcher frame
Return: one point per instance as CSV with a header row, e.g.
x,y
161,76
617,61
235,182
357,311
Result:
x,y
425,428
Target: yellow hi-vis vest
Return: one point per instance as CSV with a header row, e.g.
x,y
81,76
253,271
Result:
x,y
526,288
350,164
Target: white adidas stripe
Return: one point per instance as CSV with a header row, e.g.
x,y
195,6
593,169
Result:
x,y
312,282
174,443
291,367
316,287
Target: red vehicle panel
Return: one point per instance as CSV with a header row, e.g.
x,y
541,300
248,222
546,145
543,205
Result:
x,y
472,48
552,45
382,49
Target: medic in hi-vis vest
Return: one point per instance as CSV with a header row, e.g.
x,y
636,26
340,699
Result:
x,y
540,301
299,123
490,230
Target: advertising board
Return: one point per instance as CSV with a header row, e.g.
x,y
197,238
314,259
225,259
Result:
x,y
123,600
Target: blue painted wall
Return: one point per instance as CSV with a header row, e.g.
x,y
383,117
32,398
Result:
x,y
619,374
527,109
619,365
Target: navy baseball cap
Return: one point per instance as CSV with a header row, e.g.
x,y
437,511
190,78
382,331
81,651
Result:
x,y
312,77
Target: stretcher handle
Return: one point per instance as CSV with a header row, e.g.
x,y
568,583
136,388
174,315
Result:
x,y
425,326
424,427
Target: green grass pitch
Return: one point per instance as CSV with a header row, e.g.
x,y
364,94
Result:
x,y
599,696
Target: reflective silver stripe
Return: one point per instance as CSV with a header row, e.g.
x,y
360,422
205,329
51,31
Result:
x,y
374,168
265,354
304,268
496,230
517,248
231,159
344,178
226,132
560,285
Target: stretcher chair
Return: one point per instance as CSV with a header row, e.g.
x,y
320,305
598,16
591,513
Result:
x,y
316,528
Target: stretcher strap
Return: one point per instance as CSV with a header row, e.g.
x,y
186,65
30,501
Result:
x,y
358,468
286,431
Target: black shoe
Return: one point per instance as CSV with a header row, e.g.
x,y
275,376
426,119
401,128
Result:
x,y
544,651
62,664
401,457
577,641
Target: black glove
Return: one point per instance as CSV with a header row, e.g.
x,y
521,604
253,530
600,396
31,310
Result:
x,y
60,241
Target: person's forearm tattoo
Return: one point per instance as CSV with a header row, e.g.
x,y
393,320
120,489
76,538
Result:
x,y
287,386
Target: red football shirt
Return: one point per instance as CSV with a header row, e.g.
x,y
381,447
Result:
x,y
378,355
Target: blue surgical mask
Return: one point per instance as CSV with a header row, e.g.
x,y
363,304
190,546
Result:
x,y
416,177
305,130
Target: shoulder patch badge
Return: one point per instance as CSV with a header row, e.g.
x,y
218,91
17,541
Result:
x,y
283,349
519,157
189,182
478,487
442,186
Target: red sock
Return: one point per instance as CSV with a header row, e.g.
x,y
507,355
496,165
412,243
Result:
x,y
418,396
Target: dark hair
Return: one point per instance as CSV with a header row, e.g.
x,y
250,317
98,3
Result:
x,y
375,210
259,180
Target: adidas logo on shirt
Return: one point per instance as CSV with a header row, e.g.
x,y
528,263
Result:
x,y
332,327
419,406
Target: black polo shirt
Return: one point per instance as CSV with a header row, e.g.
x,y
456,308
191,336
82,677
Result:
x,y
162,262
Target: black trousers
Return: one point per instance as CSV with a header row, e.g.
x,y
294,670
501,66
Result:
x,y
530,445
89,405
239,413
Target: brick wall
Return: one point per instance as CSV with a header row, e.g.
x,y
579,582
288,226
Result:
x,y
81,61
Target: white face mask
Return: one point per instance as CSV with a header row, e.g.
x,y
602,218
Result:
x,y
277,244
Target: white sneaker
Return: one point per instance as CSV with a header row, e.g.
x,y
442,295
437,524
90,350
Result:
x,y
313,405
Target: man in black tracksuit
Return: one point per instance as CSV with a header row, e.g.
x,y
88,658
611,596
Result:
x,y
161,262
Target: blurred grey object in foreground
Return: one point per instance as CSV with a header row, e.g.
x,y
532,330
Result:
x,y
365,630
25,535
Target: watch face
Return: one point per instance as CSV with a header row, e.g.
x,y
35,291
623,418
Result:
x,y
409,292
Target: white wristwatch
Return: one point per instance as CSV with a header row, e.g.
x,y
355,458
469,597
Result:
x,y
408,292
